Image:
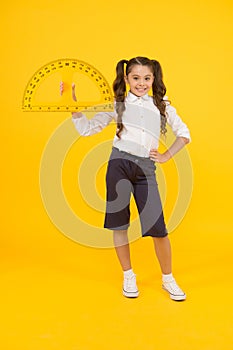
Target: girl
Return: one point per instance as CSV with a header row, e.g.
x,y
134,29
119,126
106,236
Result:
x,y
140,119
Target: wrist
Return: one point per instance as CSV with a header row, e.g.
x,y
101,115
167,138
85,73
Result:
x,y
167,155
76,115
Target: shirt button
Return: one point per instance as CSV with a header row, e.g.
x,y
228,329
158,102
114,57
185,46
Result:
x,y
143,130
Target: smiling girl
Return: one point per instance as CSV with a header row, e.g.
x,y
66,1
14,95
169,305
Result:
x,y
140,119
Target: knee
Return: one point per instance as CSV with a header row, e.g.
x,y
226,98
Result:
x,y
159,240
120,232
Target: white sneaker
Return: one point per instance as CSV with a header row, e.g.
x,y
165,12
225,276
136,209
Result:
x,y
130,289
174,290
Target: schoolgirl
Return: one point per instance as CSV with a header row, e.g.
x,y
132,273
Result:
x,y
140,120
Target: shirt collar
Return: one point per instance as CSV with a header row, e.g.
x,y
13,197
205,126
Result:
x,y
132,98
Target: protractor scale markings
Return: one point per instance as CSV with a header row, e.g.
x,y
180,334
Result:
x,y
72,66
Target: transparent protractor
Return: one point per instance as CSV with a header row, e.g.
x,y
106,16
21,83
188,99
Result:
x,y
43,90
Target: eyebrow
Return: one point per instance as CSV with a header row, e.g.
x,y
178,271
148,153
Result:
x,y
137,75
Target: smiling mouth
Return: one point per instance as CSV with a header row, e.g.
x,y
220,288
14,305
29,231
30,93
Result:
x,y
140,89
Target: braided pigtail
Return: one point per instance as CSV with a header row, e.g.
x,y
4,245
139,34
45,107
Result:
x,y
159,91
119,88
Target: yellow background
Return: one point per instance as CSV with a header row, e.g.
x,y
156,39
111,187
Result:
x,y
57,294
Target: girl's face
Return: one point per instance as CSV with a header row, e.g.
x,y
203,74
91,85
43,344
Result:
x,y
140,80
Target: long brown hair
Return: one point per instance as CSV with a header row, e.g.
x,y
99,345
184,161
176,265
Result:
x,y
158,89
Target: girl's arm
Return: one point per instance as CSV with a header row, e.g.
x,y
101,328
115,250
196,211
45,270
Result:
x,y
85,126
181,132
177,145
88,127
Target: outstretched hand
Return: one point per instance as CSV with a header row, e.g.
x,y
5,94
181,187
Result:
x,y
73,90
74,114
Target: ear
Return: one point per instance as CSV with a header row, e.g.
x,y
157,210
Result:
x,y
126,79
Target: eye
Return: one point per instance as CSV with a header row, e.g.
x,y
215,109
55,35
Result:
x,y
135,78
148,78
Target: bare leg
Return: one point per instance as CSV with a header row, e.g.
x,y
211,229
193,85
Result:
x,y
163,252
122,248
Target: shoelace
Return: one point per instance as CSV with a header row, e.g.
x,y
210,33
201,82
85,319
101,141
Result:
x,y
172,285
130,282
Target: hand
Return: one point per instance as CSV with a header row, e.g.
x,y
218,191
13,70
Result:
x,y
159,157
73,90
74,114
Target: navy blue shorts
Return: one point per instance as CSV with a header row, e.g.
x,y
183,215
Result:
x,y
128,174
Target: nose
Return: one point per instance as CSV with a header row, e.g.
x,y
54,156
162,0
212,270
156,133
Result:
x,y
141,82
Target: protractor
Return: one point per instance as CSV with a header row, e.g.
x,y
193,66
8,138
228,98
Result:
x,y
42,93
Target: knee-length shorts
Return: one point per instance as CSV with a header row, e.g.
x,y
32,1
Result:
x,y
128,174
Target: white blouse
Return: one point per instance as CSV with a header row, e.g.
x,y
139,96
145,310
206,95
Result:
x,y
141,120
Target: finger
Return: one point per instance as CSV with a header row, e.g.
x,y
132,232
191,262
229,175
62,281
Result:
x,y
153,150
61,87
152,157
73,92
154,154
